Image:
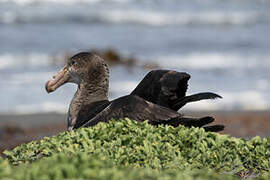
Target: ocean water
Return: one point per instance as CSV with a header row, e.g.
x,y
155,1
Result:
x,y
224,45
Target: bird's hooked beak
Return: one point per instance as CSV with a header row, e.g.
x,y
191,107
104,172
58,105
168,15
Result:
x,y
58,80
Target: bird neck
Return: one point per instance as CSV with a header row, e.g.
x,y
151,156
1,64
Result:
x,y
89,95
94,87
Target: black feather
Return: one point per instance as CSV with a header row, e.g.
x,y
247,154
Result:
x,y
179,103
214,128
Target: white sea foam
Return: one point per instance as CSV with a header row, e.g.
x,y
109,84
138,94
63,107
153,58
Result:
x,y
94,1
233,101
45,107
213,61
188,61
24,2
183,18
132,16
29,60
17,80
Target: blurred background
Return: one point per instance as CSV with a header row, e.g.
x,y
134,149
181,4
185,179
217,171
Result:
x,y
224,45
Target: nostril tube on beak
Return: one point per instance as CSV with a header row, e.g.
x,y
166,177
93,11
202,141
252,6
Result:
x,y
57,80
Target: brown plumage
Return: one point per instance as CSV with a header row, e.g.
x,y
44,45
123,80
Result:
x,y
157,98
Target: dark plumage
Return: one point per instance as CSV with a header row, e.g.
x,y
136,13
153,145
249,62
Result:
x,y
157,98
168,88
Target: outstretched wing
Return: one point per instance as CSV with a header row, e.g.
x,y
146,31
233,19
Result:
x,y
168,88
138,109
163,87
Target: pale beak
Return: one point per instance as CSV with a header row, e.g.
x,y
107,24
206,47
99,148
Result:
x,y
58,80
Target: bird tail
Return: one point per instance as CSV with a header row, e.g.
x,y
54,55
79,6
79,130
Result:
x,y
195,122
214,128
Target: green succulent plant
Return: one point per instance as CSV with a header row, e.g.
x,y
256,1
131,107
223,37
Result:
x,y
121,148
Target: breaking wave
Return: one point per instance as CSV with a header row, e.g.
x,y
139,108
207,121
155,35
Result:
x,y
233,101
197,61
30,60
46,107
133,16
207,61
25,2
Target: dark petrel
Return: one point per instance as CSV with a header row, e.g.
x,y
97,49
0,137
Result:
x,y
157,98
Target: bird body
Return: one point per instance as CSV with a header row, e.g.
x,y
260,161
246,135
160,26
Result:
x,y
157,98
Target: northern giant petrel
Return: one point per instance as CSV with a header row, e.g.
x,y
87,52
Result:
x,y
157,98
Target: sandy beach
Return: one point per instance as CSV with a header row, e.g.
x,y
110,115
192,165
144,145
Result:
x,y
18,129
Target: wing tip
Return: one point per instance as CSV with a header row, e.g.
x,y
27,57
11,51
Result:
x,y
213,95
218,96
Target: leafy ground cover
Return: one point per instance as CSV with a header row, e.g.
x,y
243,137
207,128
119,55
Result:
x,y
81,165
122,148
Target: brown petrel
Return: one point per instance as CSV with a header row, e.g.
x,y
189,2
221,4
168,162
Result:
x,y
157,98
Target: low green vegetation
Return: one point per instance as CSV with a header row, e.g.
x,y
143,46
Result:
x,y
128,149
81,165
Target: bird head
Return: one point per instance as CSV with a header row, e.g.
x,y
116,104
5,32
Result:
x,y
81,68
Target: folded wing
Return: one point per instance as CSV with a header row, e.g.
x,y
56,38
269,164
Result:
x,y
139,109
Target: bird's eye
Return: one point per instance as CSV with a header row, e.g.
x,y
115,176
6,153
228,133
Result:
x,y
73,63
